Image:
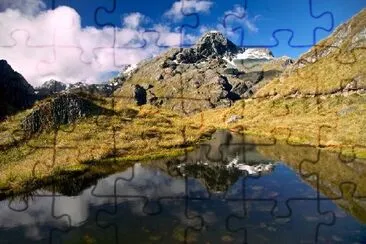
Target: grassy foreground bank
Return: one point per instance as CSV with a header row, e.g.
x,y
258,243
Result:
x,y
96,146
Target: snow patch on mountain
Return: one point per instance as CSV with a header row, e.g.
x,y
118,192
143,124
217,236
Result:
x,y
255,53
259,54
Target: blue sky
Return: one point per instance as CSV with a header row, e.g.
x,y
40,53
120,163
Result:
x,y
267,16
92,40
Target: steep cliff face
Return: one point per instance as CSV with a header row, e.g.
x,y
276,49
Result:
x,y
213,73
15,92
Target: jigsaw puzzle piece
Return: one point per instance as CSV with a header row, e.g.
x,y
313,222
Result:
x,y
139,183
20,41
42,152
349,210
305,221
238,20
58,151
181,16
214,212
148,197
175,223
17,216
332,170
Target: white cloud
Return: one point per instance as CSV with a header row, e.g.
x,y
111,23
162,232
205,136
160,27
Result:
x,y
133,20
28,7
181,8
241,18
52,44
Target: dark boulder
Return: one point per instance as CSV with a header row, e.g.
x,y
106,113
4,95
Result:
x,y
140,95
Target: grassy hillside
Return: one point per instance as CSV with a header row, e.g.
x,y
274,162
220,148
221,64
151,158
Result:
x,y
336,123
95,145
335,64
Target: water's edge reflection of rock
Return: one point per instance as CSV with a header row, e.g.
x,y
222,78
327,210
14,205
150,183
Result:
x,y
220,162
340,179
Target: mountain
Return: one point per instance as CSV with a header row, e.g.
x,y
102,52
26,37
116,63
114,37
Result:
x,y
53,87
212,73
49,88
15,92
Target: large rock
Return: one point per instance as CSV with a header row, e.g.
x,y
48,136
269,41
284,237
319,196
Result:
x,y
140,95
62,109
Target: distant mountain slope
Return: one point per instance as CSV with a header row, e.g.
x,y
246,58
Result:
x,y
213,73
53,87
15,92
336,64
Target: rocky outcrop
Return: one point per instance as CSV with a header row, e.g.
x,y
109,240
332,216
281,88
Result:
x,y
213,73
63,109
15,92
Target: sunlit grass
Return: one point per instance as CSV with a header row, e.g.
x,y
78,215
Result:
x,y
132,134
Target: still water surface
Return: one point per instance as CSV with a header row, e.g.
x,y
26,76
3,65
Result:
x,y
263,197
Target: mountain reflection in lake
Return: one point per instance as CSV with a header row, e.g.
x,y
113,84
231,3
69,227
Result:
x,y
224,191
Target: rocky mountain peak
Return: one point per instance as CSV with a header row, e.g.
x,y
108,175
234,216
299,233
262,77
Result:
x,y
210,45
5,67
215,43
54,86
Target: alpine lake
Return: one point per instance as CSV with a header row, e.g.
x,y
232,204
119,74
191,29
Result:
x,y
230,189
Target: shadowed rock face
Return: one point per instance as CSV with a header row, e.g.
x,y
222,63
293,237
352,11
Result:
x,y
15,92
